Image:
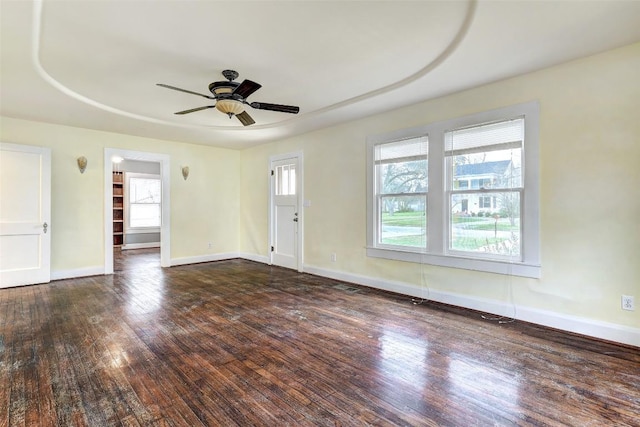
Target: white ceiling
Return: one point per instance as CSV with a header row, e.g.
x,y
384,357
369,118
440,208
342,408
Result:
x,y
95,64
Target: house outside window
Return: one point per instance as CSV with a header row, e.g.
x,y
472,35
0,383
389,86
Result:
x,y
489,155
482,197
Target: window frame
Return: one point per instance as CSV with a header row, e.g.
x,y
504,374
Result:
x,y
127,203
379,196
436,251
285,180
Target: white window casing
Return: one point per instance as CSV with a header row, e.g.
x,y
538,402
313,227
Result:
x,y
495,131
152,202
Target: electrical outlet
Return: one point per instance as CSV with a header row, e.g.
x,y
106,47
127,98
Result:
x,y
334,258
628,302
210,245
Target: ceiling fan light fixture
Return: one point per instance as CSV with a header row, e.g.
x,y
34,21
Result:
x,y
231,98
230,106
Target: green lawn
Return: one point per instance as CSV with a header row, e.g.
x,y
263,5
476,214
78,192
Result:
x,y
406,219
488,224
459,244
473,243
418,219
463,243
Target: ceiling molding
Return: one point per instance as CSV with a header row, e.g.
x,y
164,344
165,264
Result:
x,y
35,56
448,49
96,64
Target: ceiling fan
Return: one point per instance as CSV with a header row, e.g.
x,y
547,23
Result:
x,y
231,97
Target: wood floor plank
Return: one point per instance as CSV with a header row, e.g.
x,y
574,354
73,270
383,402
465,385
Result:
x,y
17,398
241,343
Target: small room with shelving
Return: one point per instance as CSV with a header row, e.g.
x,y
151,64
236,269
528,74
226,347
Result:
x,y
137,205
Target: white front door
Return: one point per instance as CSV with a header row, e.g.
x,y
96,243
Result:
x,y
285,218
25,215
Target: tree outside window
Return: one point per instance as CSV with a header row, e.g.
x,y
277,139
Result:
x,y
472,202
144,196
402,192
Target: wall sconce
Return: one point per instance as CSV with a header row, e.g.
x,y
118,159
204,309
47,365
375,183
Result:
x,y
82,163
185,172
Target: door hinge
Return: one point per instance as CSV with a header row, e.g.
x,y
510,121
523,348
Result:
x,y
272,172
272,249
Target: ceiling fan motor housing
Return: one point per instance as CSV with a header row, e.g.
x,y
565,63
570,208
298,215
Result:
x,y
220,89
224,90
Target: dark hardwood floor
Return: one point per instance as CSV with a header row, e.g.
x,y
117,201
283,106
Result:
x,y
241,343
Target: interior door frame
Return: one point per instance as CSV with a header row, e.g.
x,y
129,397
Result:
x,y
165,228
299,200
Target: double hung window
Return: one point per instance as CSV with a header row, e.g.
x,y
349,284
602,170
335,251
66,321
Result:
x,y
143,201
490,157
460,193
401,199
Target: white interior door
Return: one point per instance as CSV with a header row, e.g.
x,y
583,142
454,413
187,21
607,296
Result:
x,y
285,218
25,215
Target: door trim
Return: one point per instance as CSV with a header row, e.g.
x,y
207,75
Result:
x,y
299,200
165,228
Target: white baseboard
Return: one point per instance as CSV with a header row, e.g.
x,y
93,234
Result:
x,y
219,257
80,272
203,258
97,271
140,245
253,257
579,325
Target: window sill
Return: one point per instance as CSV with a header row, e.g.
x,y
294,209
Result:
x,y
521,269
142,230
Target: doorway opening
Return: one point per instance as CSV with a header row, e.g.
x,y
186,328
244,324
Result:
x,y
139,261
142,190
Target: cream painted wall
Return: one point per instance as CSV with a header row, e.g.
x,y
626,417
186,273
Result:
x,y
204,208
589,207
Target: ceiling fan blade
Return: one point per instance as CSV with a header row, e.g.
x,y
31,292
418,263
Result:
x,y
276,107
246,88
184,90
245,118
194,109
